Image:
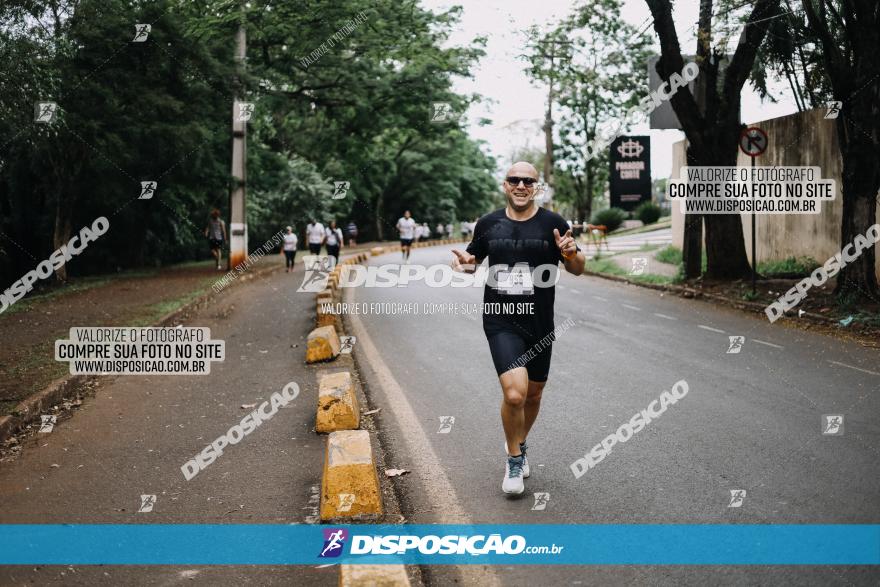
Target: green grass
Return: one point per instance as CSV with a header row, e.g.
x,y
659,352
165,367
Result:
x,y
79,285
152,313
790,267
664,222
669,255
608,267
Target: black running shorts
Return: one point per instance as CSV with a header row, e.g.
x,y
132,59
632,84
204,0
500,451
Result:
x,y
511,350
406,242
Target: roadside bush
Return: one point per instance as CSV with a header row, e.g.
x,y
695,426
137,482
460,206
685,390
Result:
x,y
648,213
612,218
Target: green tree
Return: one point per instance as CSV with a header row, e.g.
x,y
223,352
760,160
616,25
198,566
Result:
x,y
711,121
828,51
597,85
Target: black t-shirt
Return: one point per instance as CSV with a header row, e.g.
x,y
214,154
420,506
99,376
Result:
x,y
511,242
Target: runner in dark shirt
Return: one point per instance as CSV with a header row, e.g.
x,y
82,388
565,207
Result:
x,y
524,244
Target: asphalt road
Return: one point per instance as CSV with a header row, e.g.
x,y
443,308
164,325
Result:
x,y
751,421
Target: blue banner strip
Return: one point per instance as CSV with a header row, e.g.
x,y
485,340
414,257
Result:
x,y
571,544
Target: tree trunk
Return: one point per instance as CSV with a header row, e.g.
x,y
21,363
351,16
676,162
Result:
x,y
378,215
725,246
61,234
860,182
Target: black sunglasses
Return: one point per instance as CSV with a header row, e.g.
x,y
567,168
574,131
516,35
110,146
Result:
x,y
514,181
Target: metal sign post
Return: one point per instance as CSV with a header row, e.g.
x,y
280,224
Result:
x,y
753,142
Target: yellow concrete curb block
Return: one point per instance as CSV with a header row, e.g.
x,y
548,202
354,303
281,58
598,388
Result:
x,y
350,485
337,403
324,319
322,344
376,251
373,576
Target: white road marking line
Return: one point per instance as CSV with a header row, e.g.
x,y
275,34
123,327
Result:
x,y
665,316
631,307
856,368
709,328
600,299
776,346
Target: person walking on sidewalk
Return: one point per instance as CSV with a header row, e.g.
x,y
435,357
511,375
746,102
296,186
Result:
x,y
520,344
406,226
289,248
315,236
333,240
215,232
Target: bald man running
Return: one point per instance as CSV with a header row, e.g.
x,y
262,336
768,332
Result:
x,y
521,233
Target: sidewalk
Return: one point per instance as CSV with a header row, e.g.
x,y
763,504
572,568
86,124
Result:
x,y
132,437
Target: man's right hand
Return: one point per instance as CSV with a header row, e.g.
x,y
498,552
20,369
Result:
x,y
464,262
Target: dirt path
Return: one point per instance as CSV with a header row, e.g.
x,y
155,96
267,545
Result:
x,y
27,352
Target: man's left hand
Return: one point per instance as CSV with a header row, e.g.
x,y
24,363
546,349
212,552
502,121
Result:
x,y
565,243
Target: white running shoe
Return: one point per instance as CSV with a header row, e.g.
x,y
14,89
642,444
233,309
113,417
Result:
x,y
513,476
523,447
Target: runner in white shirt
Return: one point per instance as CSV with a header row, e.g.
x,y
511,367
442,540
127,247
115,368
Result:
x,y
315,236
333,240
406,227
289,248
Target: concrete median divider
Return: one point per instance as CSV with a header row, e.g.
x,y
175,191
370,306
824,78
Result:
x,y
337,403
373,576
322,345
350,485
376,251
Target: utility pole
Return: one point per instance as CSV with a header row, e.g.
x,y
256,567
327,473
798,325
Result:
x,y
238,236
552,55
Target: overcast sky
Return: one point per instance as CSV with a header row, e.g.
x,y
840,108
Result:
x,y
516,106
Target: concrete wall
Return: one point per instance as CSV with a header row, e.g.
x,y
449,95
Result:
x,y
802,139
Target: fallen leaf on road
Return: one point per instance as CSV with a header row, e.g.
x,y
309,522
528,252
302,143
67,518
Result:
x,y
264,352
56,465
395,472
372,412
248,406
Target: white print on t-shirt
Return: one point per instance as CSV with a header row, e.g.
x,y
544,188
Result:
x,y
516,281
406,226
290,242
316,233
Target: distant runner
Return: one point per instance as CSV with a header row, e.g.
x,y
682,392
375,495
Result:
x,y
289,248
315,236
520,233
406,226
333,239
215,232
352,230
